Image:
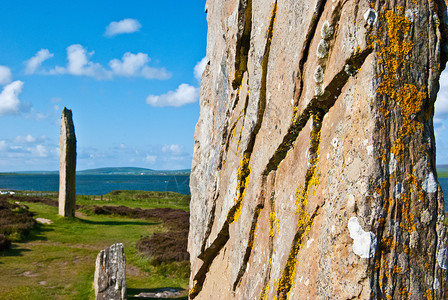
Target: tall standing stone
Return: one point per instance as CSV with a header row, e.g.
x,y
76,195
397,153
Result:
x,y
314,172
67,166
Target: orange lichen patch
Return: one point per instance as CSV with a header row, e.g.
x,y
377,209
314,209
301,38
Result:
x,y
387,204
408,222
412,179
396,269
388,243
406,249
394,57
404,291
428,295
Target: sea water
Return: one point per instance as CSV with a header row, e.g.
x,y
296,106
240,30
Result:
x,y
103,184
99,184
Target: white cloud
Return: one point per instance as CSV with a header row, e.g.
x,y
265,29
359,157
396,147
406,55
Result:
x,y
199,68
174,148
40,151
56,100
36,61
150,159
184,94
132,65
441,106
25,139
5,75
123,26
79,64
9,98
3,146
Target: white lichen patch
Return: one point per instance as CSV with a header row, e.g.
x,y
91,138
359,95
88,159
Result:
x,y
327,31
430,184
309,242
369,150
413,242
319,90
334,142
392,164
349,70
411,14
371,16
307,282
398,190
319,74
436,284
426,217
364,243
351,201
441,258
322,49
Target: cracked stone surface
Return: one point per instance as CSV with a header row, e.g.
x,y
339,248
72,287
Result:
x,y
67,165
110,274
316,120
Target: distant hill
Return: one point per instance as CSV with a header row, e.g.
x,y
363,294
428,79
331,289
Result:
x,y
131,171
113,171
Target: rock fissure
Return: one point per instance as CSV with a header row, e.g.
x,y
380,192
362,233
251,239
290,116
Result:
x,y
312,27
243,175
243,41
305,221
249,247
210,224
320,102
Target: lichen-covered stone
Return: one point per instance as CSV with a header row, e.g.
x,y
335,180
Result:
x,y
319,187
67,165
110,274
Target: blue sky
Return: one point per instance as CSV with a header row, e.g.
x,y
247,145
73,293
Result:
x,y
125,68
129,71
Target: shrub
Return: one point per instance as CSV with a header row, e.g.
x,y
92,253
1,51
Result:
x,y
16,221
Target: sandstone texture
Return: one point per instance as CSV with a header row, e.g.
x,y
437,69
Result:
x,y
110,274
67,165
314,172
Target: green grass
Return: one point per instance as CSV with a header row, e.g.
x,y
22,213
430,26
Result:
x,y
132,199
57,261
442,174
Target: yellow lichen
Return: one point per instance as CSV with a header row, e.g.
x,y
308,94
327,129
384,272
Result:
x,y
265,293
243,179
305,220
394,57
272,222
428,295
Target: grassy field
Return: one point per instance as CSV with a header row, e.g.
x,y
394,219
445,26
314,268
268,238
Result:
x,y
57,261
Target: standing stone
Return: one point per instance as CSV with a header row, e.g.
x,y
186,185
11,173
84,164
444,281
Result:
x,y
314,172
67,166
110,274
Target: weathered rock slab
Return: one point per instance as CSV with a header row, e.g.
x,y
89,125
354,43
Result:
x,y
110,274
314,171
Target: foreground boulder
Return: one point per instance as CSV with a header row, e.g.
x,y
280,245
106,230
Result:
x,y
314,171
110,274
